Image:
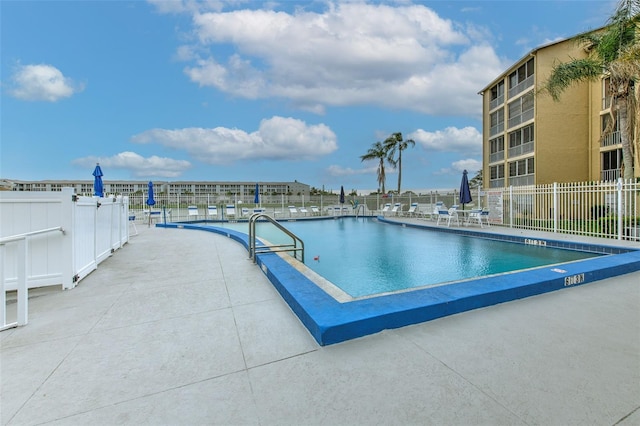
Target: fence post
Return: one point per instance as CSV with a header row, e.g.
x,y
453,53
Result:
x,y
619,191
511,206
555,207
23,267
68,246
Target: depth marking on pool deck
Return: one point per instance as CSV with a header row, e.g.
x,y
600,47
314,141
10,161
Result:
x,y
330,321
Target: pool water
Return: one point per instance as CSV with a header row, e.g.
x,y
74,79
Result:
x,y
364,257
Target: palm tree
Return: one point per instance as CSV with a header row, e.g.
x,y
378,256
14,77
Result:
x,y
615,52
377,152
395,143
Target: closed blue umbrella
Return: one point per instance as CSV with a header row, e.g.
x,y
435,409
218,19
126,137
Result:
x,y
341,197
465,192
256,197
150,200
98,188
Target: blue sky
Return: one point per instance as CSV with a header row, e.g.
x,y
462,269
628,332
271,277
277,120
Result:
x,y
259,91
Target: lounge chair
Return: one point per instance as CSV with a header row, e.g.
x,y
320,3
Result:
x,y
315,211
474,217
397,209
448,215
230,211
437,209
413,210
385,209
244,212
193,210
292,211
212,211
303,210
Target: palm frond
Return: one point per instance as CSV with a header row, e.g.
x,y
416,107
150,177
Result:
x,y
567,74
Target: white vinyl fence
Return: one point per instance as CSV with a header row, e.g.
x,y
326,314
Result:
x,y
55,238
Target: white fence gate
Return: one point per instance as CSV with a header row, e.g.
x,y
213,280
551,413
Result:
x,y
56,238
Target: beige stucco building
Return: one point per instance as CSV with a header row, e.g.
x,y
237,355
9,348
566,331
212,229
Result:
x,y
528,138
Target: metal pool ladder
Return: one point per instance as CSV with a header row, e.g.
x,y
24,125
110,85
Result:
x,y
296,246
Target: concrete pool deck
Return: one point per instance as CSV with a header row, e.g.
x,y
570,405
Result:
x,y
179,327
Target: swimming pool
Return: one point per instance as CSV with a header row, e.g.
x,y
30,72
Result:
x,y
364,257
331,321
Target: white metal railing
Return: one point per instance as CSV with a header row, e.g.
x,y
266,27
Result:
x,y
606,209
613,138
611,174
22,267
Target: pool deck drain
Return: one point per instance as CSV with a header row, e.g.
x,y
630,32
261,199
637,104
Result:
x,y
332,321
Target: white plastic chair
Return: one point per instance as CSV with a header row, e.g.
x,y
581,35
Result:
x,y
315,210
292,211
193,210
397,208
413,210
386,208
212,211
448,215
230,211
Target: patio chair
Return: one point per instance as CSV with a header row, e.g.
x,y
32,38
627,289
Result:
x,y
132,222
212,211
193,210
448,215
315,211
244,212
292,211
397,209
303,210
474,217
385,209
413,210
230,211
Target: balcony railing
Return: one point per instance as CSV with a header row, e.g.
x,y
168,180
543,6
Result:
x,y
613,138
524,148
496,183
611,174
498,128
521,118
522,180
520,87
496,102
496,156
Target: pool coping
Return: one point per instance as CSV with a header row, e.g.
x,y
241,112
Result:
x,y
330,321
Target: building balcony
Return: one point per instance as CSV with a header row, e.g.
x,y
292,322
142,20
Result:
x,y
521,149
518,119
496,183
522,180
499,128
494,103
521,87
496,156
610,175
613,138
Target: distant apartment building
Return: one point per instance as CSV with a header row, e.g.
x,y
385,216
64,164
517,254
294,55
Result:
x,y
197,188
530,139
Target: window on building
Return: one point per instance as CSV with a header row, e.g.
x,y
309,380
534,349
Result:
x,y
497,95
612,136
611,164
496,176
606,93
496,149
521,78
521,110
521,141
496,122
521,172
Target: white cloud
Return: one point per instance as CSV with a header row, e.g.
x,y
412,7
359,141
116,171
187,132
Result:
x,y
470,165
138,165
277,138
353,53
42,83
467,140
337,171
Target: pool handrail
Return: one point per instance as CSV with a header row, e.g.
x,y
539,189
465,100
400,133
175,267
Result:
x,y
254,249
